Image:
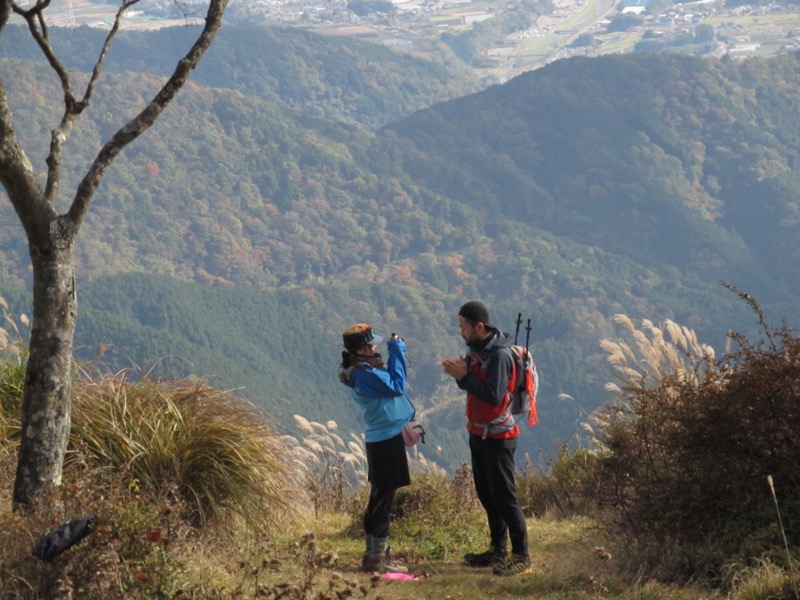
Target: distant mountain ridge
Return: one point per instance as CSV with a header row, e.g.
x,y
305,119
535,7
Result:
x,y
624,184
338,79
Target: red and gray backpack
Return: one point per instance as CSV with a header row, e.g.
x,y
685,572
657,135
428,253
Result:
x,y
521,397
526,382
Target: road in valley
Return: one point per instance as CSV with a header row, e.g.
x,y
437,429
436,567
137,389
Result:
x,y
551,34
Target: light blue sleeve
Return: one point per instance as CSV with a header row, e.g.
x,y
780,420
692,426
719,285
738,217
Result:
x,y
389,381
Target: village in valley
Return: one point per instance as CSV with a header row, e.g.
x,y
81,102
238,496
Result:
x,y
572,27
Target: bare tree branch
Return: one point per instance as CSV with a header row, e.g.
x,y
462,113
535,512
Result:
x,y
72,107
104,52
147,117
5,12
34,17
37,25
38,29
17,174
187,14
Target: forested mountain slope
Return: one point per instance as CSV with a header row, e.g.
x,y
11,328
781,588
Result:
x,y
629,184
696,161
339,79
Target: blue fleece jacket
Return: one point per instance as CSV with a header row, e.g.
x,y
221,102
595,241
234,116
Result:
x,y
381,394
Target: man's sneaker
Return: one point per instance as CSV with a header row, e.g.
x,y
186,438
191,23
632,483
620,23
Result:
x,y
517,564
492,557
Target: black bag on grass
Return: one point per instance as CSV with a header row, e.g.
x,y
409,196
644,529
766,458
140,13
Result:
x,y
62,538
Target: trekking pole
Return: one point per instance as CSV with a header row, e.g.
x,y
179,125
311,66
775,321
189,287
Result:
x,y
519,322
527,337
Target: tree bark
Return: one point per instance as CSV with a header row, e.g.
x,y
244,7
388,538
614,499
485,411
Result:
x,y
48,379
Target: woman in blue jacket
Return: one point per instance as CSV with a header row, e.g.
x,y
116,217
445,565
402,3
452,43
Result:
x,y
380,390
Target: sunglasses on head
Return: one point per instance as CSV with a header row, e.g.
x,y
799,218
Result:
x,y
361,338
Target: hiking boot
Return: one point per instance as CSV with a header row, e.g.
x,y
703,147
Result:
x,y
390,566
517,564
381,563
492,557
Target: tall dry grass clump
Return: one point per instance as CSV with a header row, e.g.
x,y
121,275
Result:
x,y
217,451
686,447
13,356
761,580
330,469
334,469
164,467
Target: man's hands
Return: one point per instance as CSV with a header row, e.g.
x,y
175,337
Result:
x,y
455,367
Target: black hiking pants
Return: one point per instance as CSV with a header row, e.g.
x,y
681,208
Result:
x,y
493,473
388,470
379,512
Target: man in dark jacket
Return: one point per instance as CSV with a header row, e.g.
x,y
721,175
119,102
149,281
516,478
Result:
x,y
485,374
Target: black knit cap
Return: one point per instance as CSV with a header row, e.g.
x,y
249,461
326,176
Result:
x,y
477,312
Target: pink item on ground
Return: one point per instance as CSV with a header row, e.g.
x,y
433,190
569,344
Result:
x,y
403,576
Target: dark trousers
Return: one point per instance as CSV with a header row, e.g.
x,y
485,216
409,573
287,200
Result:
x,y
387,461
493,473
378,513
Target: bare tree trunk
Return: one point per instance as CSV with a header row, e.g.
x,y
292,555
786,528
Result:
x,y
47,401
48,379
